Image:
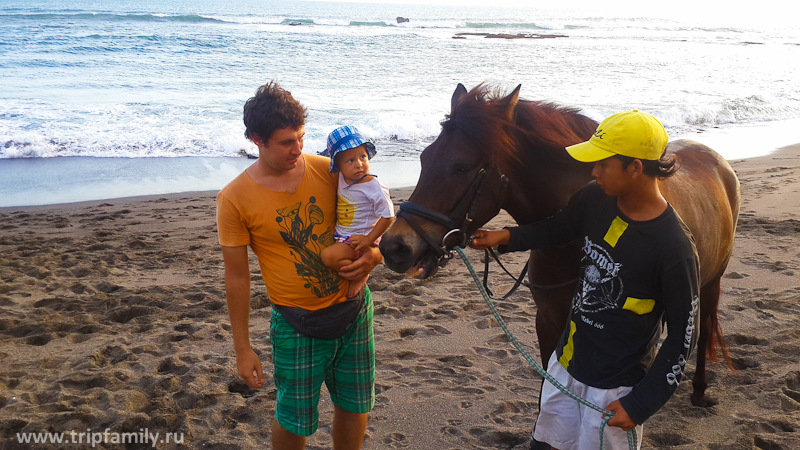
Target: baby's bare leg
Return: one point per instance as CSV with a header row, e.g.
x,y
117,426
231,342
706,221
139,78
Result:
x,y
356,286
337,256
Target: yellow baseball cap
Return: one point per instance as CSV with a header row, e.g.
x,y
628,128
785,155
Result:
x,y
630,133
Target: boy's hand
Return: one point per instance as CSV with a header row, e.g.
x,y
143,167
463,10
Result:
x,y
621,419
484,239
359,242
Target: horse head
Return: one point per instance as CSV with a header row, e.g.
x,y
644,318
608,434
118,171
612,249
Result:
x,y
462,183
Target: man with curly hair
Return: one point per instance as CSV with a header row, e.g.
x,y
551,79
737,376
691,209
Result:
x,y
284,207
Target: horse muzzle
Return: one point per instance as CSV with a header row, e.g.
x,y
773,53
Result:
x,y
405,252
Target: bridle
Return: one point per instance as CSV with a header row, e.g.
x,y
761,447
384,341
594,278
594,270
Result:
x,y
466,208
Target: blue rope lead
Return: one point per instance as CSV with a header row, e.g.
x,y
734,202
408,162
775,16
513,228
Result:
x,y
632,439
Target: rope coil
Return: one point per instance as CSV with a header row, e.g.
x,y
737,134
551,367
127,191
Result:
x,y
632,438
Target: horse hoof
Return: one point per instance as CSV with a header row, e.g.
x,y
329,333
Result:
x,y
703,401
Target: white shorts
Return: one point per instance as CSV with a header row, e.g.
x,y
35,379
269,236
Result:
x,y
566,424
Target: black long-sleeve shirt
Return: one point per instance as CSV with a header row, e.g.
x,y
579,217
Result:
x,y
633,274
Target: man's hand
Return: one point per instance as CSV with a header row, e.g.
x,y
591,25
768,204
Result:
x,y
359,242
484,238
362,267
249,367
621,419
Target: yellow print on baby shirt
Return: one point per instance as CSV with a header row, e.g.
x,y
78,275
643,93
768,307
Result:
x,y
345,212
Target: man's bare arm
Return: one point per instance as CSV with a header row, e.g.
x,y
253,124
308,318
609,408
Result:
x,y
237,290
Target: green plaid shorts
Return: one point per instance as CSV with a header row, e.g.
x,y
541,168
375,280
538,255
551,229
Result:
x,y
301,364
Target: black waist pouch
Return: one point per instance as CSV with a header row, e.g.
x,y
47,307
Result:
x,y
327,323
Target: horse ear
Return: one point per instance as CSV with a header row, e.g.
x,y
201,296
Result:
x,y
511,103
460,92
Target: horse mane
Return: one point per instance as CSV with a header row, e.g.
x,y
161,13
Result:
x,y
541,127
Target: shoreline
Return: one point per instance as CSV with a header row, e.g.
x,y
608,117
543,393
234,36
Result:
x,y
782,155
90,179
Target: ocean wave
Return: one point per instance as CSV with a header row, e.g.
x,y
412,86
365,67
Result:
x,y
147,130
141,130
248,20
532,26
112,17
356,23
332,22
40,145
298,22
431,24
743,110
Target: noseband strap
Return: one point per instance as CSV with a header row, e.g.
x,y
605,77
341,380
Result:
x,y
408,208
435,246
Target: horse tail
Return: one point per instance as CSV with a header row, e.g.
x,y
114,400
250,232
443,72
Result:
x,y
716,342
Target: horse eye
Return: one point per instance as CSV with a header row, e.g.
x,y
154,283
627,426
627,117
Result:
x,y
462,169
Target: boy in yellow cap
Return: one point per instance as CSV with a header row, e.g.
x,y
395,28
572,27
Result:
x,y
639,268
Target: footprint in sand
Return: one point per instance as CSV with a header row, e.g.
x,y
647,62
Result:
x,y
405,355
494,438
172,365
746,339
790,398
511,411
456,360
491,353
667,439
450,432
396,440
428,330
735,275
112,354
483,324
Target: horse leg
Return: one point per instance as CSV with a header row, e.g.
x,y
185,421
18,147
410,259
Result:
x,y
547,268
547,316
552,305
551,317
710,337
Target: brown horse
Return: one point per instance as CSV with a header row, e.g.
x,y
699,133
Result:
x,y
498,152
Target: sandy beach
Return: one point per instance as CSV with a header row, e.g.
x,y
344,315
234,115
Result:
x,y
113,319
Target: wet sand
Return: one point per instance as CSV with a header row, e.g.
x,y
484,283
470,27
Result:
x,y
113,315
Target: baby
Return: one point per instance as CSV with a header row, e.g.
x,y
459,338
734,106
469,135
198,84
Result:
x,y
364,209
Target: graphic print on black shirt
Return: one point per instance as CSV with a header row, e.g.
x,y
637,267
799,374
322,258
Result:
x,y
600,285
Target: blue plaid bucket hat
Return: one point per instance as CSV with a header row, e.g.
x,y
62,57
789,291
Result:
x,y
345,138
